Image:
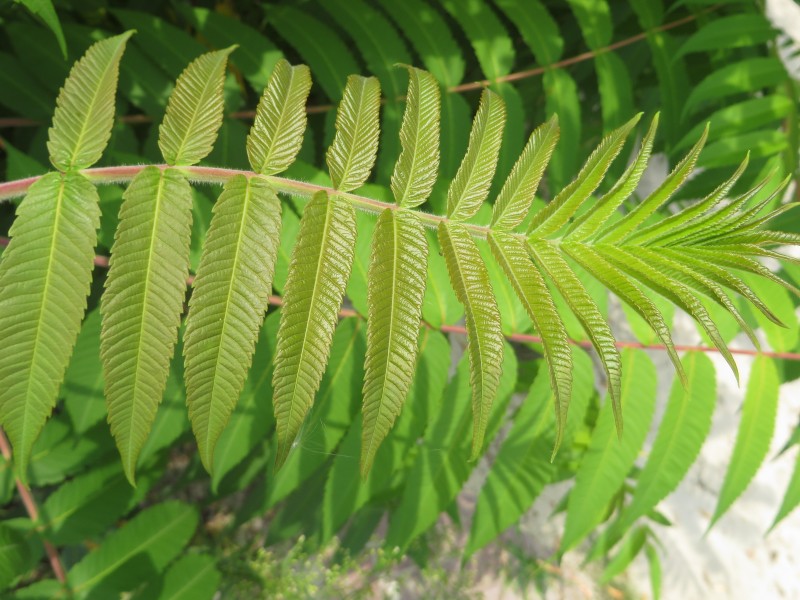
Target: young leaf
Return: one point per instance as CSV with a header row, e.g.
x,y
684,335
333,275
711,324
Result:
x,y
519,189
626,290
352,154
194,112
397,273
320,266
550,261
155,536
416,169
591,221
85,107
470,280
534,294
562,208
44,280
231,295
470,186
608,460
755,433
277,133
142,304
620,231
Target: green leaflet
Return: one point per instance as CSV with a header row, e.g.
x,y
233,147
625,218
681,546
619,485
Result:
x,y
633,544
45,275
416,169
320,266
194,112
85,107
142,304
83,381
755,433
608,460
681,434
523,468
558,212
550,261
13,555
792,496
157,535
745,76
277,133
352,154
397,272
470,280
532,291
470,186
515,197
231,295
191,577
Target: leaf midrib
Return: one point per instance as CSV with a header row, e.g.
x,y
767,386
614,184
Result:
x,y
391,338
225,313
145,297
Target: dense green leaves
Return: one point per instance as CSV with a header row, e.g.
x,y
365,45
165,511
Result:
x,y
143,302
85,107
231,294
321,263
44,279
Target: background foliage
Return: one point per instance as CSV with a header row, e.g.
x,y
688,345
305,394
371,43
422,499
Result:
x,y
595,65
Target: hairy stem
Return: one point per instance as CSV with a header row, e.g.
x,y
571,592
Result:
x,y
218,175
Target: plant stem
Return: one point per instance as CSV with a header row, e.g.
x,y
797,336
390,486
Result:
x,y
219,175
33,512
